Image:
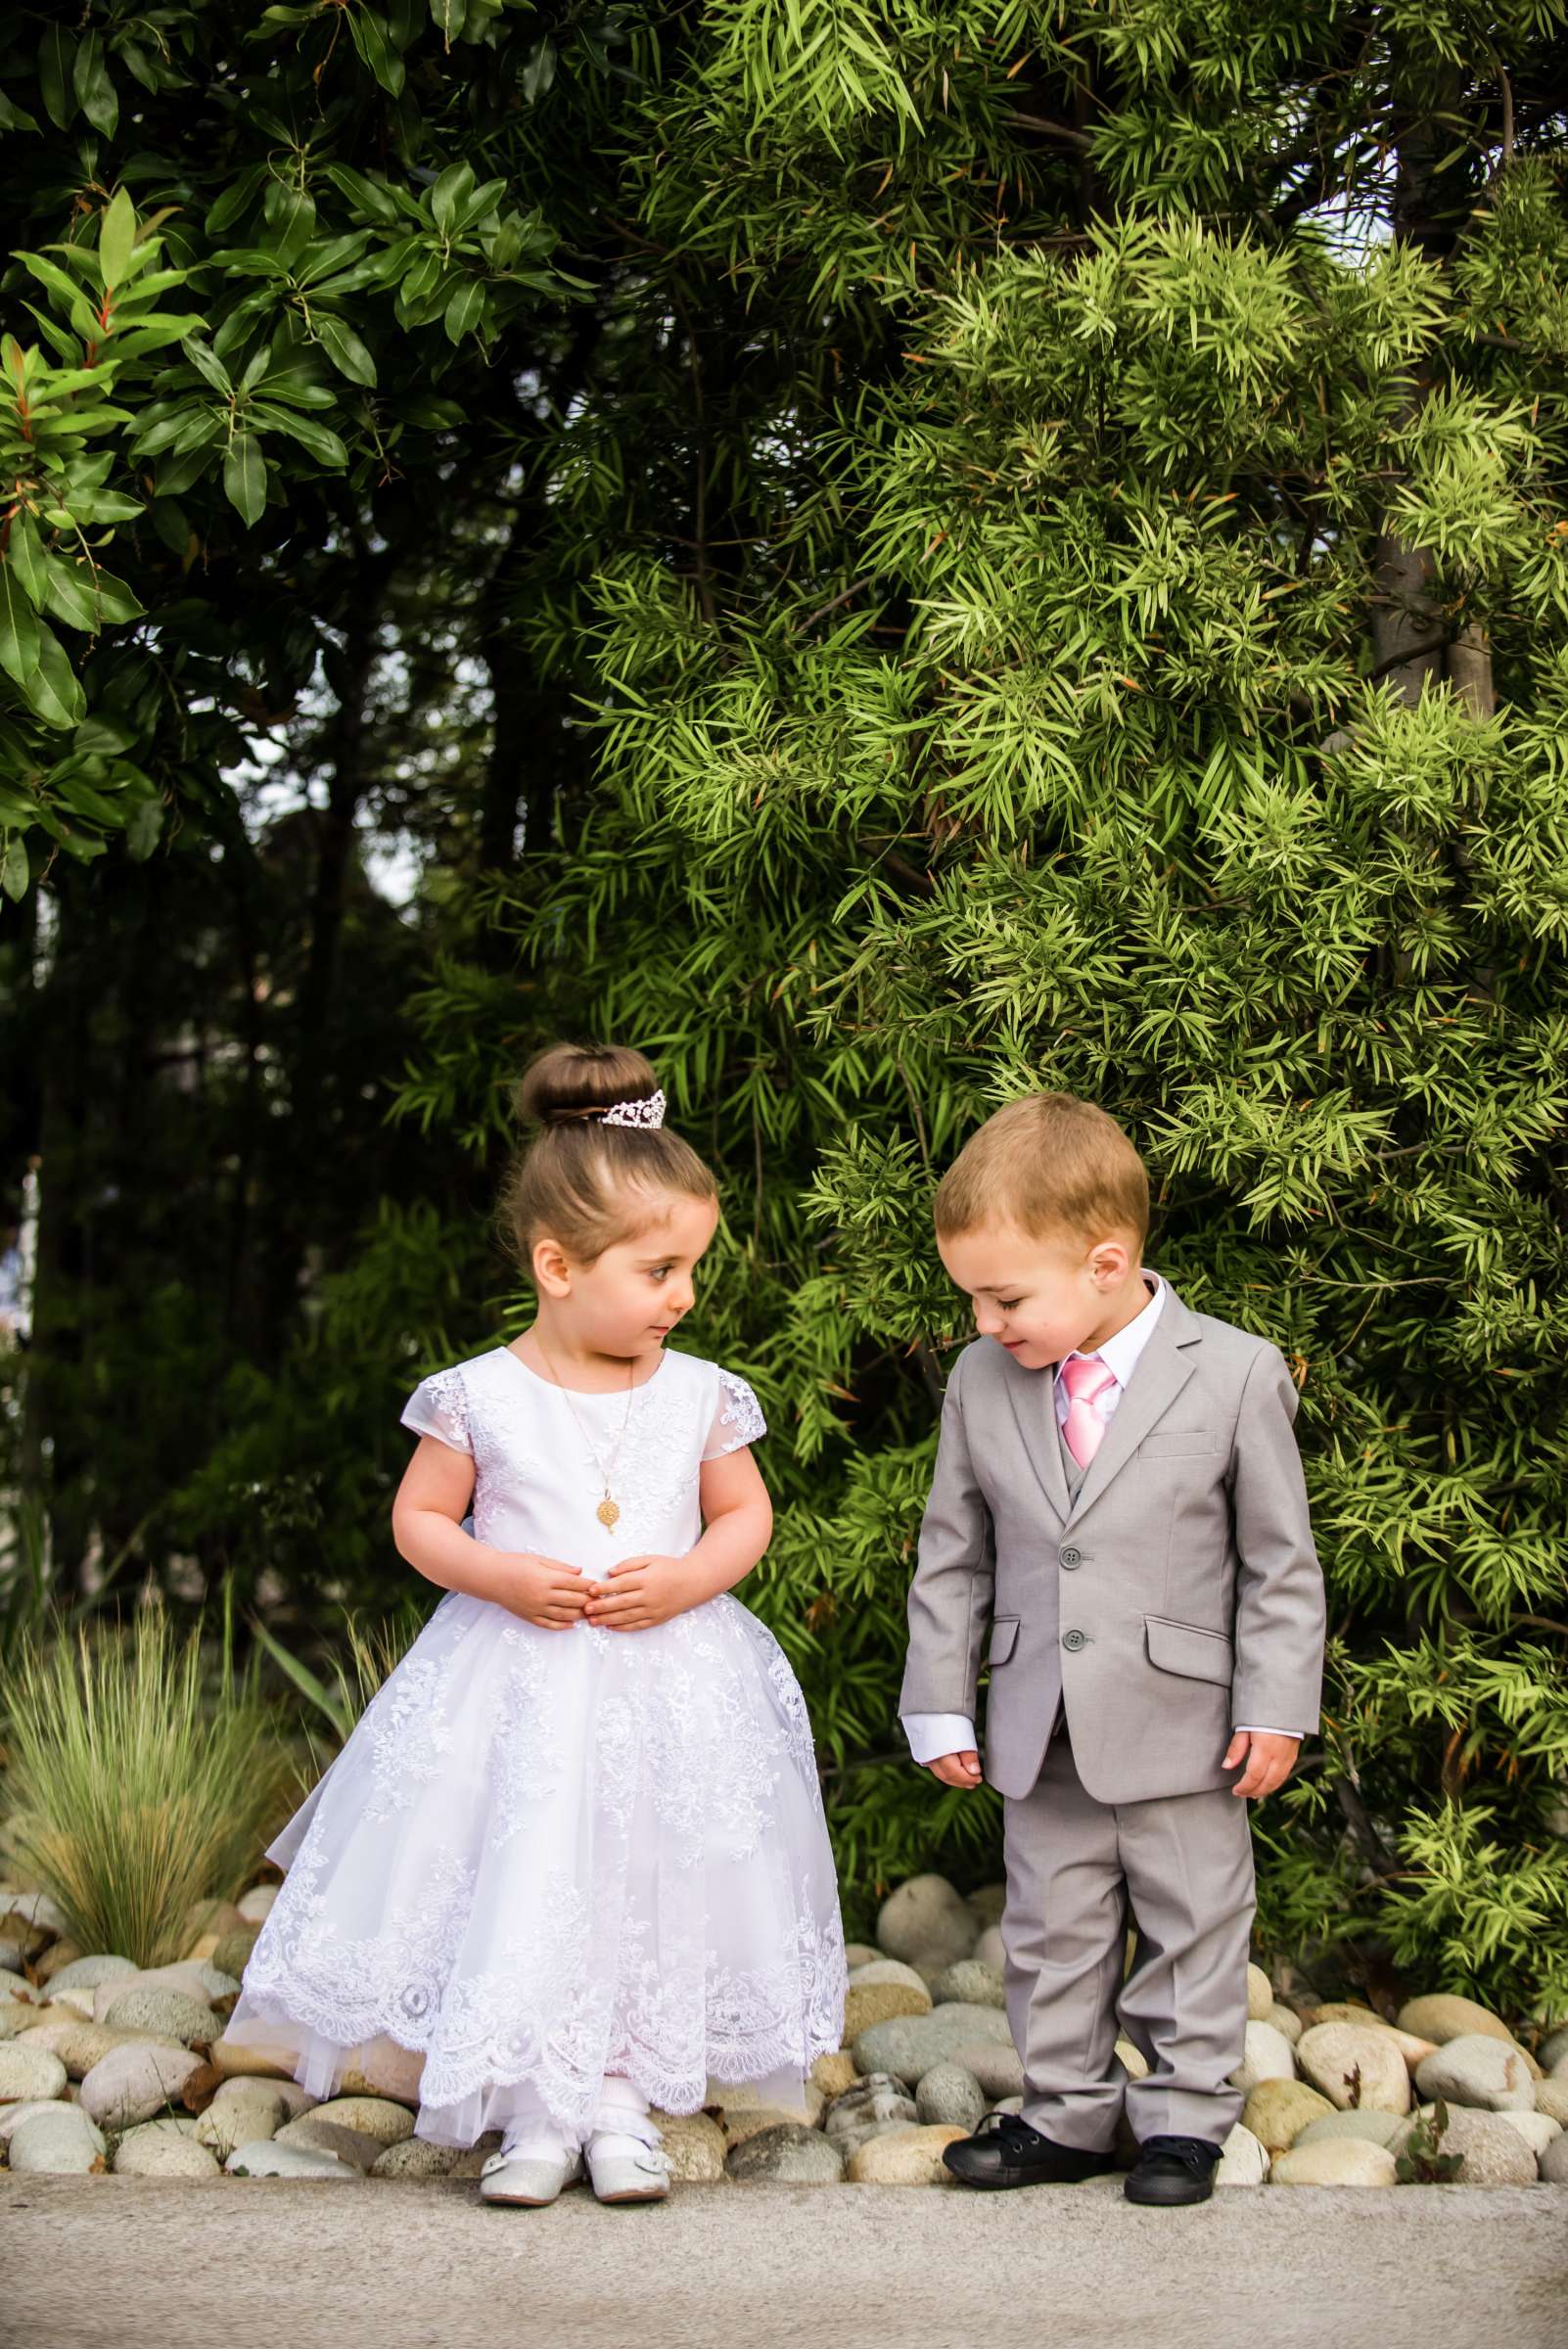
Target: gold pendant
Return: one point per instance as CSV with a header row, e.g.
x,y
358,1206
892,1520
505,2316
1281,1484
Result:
x,y
608,1512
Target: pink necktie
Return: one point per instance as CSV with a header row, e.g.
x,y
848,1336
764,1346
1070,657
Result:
x,y
1085,1377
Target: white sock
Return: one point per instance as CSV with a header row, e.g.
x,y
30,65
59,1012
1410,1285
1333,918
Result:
x,y
622,2111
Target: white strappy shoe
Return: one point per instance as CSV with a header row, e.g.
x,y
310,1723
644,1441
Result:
x,y
530,2174
627,2163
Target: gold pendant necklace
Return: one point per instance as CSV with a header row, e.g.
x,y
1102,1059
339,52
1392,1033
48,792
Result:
x,y
608,1512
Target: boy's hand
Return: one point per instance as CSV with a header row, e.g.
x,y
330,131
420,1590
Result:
x,y
1269,1760
641,1591
957,1770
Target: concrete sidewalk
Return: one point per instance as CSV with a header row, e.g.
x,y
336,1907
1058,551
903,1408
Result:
x,y
109,2263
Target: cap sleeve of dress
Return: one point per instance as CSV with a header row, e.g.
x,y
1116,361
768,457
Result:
x,y
438,1408
737,1419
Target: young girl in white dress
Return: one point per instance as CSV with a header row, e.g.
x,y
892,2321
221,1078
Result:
x,y
574,1854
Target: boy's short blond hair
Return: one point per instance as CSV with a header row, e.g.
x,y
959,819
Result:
x,y
1049,1162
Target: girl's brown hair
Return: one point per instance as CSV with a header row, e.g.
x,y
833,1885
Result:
x,y
586,1183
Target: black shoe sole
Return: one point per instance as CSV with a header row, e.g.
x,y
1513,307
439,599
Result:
x,y
1169,2193
1006,2181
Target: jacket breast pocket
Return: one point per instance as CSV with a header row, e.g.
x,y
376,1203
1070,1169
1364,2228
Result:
x,y
1177,1443
1190,1650
1003,1638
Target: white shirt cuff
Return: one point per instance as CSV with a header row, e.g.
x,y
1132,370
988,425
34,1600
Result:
x,y
1254,1729
932,1734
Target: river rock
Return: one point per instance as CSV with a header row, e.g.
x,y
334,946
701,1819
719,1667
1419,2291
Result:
x,y
926,1924
134,2082
998,2068
1260,1995
889,1969
1480,2071
951,2097
91,1972
986,1905
790,2154
79,2044
1491,2152
386,2070
416,2157
989,1950
1441,2017
1243,2159
695,2146
860,1953
904,2157
1354,2065
329,2137
12,2116
373,2116
255,1906
1345,2011
1554,2048
162,2014
867,2003
38,1910
28,2073
59,2141
241,2110
232,1955
163,2150
16,1986
866,2109
741,2121
1377,2128
1268,2056
17,2018
1287,2021
911,2044
264,2157
1278,2111
55,1960
831,2075
1336,2161
1554,2160
240,2060
971,1982
1538,2129
1551,2098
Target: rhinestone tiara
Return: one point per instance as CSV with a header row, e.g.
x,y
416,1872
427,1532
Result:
x,y
649,1111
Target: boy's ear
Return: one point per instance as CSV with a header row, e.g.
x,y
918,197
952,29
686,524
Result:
x,y
1110,1261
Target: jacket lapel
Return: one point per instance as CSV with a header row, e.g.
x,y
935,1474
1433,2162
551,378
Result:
x,y
1032,1395
1159,1375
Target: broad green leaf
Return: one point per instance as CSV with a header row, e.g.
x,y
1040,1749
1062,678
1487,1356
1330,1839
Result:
x,y
25,557
115,602
52,689
211,369
365,193
323,444
449,196
291,216
370,38
465,308
69,593
256,368
344,350
16,118
538,70
95,92
117,238
56,58
449,17
234,199
142,831
20,627
13,871
245,478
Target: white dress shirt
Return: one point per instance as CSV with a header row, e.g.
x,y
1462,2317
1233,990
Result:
x,y
932,1734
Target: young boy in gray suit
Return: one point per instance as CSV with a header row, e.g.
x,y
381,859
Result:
x,y
1118,1503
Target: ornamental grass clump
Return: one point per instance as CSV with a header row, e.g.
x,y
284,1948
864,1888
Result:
x,y
132,1790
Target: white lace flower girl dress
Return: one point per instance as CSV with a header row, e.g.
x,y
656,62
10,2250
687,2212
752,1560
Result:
x,y
544,1857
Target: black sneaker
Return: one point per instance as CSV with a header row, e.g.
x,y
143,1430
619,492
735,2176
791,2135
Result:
x,y
1172,2170
1006,2151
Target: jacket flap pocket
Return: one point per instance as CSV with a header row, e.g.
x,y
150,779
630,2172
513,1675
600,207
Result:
x,y
1003,1637
1187,1649
1176,1443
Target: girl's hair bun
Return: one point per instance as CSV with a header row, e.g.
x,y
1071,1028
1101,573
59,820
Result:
x,y
570,1084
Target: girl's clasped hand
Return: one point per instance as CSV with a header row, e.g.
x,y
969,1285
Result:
x,y
633,1595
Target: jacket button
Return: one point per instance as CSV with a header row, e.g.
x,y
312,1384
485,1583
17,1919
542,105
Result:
x,y
1073,1640
1072,1557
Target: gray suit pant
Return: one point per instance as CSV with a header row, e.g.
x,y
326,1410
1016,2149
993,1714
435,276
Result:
x,y
1182,1866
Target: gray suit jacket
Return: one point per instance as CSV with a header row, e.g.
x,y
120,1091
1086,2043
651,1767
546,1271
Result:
x,y
1178,1593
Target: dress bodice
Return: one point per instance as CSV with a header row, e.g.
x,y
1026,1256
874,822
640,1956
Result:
x,y
541,1456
